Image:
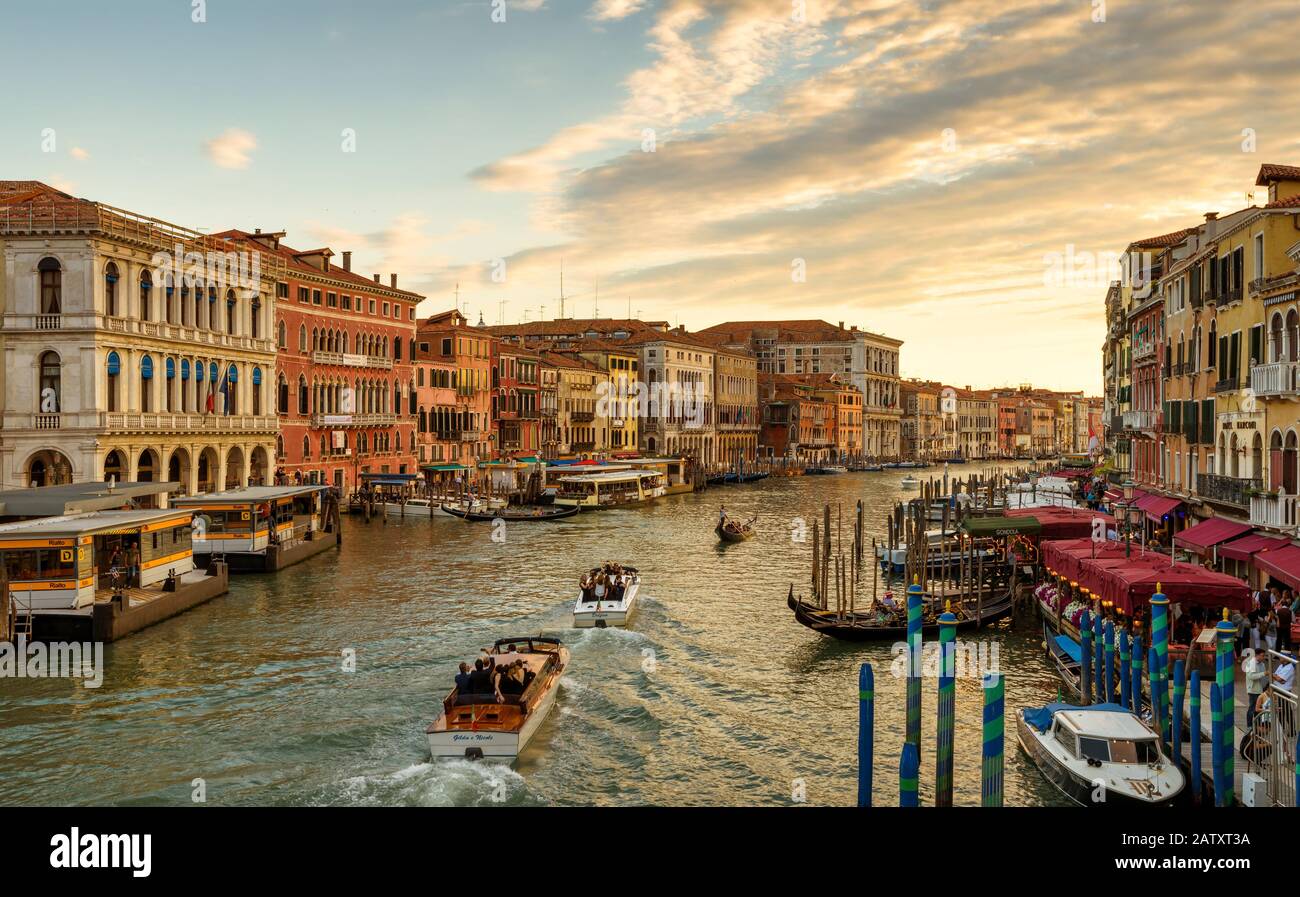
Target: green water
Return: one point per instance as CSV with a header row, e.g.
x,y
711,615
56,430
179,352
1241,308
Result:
x,y
715,695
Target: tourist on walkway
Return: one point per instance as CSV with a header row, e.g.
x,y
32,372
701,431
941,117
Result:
x,y
133,565
1255,666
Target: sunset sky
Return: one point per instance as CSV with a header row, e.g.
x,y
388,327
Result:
x,y
926,161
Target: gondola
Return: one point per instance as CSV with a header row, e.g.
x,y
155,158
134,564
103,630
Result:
x,y
862,629
736,532
530,515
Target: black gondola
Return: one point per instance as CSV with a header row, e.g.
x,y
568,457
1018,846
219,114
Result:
x,y
860,630
531,515
1063,651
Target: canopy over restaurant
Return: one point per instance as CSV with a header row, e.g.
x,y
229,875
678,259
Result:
x,y
1203,537
1281,563
1064,523
1129,582
1246,547
1158,507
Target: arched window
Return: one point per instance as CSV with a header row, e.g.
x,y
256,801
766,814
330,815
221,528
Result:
x,y
1277,344
146,290
51,286
397,398
51,377
282,336
1292,336
169,384
282,391
185,404
231,311
302,337
230,387
422,420
257,390
254,319
279,447
302,394
306,448
110,289
146,383
324,447
214,313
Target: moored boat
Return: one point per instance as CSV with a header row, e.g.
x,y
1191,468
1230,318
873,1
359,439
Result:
x,y
1066,657
1099,755
606,597
610,490
891,625
498,726
522,513
412,507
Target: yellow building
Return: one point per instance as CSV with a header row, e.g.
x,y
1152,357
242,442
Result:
x,y
617,397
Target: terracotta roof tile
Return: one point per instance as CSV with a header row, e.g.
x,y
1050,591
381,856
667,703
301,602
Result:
x,y
1270,172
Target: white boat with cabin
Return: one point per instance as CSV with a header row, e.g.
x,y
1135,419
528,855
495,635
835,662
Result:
x,y
498,727
615,607
1099,755
612,489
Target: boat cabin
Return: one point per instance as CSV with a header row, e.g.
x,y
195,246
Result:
x,y
611,489
60,563
677,475
247,521
1104,737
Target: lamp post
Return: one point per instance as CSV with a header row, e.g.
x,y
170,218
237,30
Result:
x,y
1128,517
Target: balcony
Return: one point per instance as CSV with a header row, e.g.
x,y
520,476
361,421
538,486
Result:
x,y
1276,379
1234,491
1273,510
1140,420
319,420
1227,384
185,423
582,417
352,361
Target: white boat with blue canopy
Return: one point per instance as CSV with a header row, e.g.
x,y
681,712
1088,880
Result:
x,y
1099,755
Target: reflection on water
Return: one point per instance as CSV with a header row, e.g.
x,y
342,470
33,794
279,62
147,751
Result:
x,y
714,696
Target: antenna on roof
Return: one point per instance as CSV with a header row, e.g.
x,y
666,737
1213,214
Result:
x,y
561,287
596,305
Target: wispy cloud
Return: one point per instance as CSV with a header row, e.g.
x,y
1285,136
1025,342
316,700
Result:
x,y
79,154
232,148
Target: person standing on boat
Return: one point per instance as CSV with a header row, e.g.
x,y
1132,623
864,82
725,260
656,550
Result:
x,y
600,587
463,679
133,564
722,516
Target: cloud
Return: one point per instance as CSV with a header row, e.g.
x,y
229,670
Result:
x,y
923,159
232,148
79,154
610,10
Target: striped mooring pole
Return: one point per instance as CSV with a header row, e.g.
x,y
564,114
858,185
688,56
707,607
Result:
x,y
1160,641
866,732
1109,661
1124,673
943,742
1135,687
914,601
1085,657
1194,734
994,725
1098,658
1216,744
909,769
1153,682
1225,670
1176,717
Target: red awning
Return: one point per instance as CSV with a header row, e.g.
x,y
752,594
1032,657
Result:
x,y
1282,563
1064,523
1205,535
1158,507
1242,549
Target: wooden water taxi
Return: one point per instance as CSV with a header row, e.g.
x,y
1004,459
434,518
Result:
x,y
612,489
498,726
522,513
262,528
411,507
611,605
1100,755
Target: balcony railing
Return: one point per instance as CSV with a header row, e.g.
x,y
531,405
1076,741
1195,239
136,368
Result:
x,y
1276,378
1140,420
180,423
1235,491
1274,510
378,419
1227,384
582,417
354,361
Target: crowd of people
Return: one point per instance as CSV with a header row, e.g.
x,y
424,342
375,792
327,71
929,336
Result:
x,y
498,675
607,582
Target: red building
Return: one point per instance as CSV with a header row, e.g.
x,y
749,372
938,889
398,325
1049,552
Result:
x,y
345,382
447,338
1148,342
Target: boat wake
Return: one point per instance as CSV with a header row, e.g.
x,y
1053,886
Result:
x,y
447,783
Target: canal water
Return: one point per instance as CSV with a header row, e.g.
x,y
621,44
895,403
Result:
x,y
714,696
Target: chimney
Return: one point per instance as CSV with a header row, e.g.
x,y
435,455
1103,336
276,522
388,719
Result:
x,y
1211,225
376,278
257,230
841,325
347,260
392,280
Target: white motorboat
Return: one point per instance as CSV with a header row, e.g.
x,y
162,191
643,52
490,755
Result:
x,y
909,482
498,726
1099,755
615,607
412,507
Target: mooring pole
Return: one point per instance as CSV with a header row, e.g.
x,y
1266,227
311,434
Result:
x,y
1153,682
909,768
1225,668
1136,687
1123,670
1216,745
991,760
1098,657
947,709
1160,641
1108,633
1194,735
1176,717
914,637
1085,658
866,732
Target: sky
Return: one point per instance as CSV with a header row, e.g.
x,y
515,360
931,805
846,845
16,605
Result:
x,y
959,175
